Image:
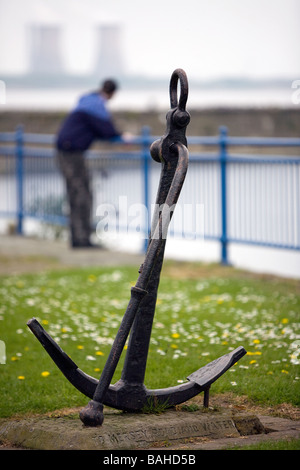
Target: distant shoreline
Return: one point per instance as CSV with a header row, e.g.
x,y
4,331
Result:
x,y
264,122
60,80
140,94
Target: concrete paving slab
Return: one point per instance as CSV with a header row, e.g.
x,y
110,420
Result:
x,y
23,254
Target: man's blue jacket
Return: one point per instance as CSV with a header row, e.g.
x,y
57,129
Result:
x,y
89,120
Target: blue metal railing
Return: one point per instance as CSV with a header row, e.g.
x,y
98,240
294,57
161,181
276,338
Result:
x,y
248,198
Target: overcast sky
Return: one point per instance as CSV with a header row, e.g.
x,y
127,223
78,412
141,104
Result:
x,y
207,38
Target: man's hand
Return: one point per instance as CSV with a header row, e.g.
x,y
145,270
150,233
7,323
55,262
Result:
x,y
127,137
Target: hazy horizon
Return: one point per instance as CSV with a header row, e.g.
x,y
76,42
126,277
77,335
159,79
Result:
x,y
255,39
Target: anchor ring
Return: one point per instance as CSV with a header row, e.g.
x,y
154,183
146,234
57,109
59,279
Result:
x,y
180,75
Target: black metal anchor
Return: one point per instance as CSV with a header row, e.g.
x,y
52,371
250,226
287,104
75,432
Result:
x,y
130,393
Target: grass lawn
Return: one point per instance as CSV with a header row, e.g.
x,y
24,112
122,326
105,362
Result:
x,y
202,313
292,444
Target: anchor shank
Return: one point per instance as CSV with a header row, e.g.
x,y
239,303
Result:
x,y
92,414
137,352
137,295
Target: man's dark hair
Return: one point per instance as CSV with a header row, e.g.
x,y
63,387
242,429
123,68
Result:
x,y
109,86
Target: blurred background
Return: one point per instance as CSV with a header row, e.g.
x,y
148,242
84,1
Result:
x,y
235,53
242,61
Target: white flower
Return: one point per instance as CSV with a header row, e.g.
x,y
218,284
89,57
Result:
x,y
161,352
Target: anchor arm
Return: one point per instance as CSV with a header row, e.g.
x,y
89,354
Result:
x,y
83,382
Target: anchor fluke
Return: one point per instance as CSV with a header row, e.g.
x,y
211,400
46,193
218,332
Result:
x,y
212,371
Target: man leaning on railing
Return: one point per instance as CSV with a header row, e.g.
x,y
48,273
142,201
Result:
x,y
88,121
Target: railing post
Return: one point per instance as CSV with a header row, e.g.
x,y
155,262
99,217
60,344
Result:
x,y
19,177
145,159
223,165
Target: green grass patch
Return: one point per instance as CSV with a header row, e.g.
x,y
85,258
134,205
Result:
x,y
291,444
199,317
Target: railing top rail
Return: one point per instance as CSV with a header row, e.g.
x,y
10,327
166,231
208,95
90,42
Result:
x,y
7,136
33,138
263,141
38,138
246,141
135,155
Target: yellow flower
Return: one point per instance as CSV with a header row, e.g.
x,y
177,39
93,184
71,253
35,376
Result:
x,y
21,377
80,346
284,371
256,341
255,353
285,320
174,346
45,373
253,361
99,353
45,322
175,335
96,369
14,358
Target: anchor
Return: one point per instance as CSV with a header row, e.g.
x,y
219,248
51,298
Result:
x,y
129,393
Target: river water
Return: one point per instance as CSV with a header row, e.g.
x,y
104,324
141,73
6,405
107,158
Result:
x,y
149,99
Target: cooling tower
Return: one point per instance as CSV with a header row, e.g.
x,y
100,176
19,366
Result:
x,y
109,59
45,49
